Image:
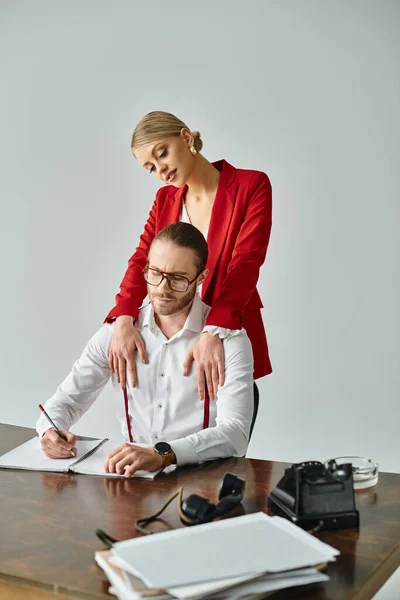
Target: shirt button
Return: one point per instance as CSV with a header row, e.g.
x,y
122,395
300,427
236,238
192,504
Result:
x,y
162,374
159,405
156,437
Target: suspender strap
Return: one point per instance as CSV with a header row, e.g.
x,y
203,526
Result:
x,y
206,418
128,420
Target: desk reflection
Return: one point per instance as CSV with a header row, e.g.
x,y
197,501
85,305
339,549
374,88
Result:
x,y
114,504
54,483
152,503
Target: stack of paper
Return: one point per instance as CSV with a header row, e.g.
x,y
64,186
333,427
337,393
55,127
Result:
x,y
238,557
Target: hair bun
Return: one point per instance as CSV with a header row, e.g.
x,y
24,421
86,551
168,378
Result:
x,y
198,142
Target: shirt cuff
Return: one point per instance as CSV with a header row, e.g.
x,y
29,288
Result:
x,y
113,319
42,426
185,452
222,332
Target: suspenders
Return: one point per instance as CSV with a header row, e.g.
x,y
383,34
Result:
x,y
206,418
128,420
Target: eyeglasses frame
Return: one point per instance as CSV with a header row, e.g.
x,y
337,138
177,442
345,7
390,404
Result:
x,y
166,276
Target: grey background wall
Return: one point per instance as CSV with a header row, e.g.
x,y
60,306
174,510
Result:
x,y
306,91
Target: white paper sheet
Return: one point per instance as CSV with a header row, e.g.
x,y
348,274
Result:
x,y
220,589
274,582
125,589
246,545
207,587
304,536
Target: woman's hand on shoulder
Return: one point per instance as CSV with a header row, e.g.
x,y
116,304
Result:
x,y
126,340
208,353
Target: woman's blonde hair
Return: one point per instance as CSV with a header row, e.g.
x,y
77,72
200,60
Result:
x,y
157,125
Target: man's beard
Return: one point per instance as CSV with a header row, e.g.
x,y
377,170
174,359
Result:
x,y
177,304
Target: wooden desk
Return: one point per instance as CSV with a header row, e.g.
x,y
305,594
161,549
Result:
x,y
47,524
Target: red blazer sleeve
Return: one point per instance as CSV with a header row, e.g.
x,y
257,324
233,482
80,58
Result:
x,y
248,255
133,287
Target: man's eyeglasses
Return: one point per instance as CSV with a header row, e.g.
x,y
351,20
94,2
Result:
x,y
178,283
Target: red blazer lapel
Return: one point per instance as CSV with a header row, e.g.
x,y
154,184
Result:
x,y
172,209
220,219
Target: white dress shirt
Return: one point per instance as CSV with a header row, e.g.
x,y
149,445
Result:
x,y
165,406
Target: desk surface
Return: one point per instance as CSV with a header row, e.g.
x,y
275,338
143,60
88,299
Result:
x,y
47,523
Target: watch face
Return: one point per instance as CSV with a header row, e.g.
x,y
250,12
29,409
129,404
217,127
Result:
x,y
162,448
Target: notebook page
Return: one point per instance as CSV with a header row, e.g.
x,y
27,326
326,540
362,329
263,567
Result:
x,y
94,464
30,456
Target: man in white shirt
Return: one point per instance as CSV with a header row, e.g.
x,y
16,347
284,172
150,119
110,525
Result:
x,y
163,409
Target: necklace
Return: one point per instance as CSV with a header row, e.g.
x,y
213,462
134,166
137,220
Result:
x,y
187,212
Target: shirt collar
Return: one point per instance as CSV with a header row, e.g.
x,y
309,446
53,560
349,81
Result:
x,y
147,314
194,321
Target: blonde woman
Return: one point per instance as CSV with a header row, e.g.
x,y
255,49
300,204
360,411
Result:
x,y
233,210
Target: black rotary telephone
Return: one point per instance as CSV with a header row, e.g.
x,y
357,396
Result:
x,y
316,495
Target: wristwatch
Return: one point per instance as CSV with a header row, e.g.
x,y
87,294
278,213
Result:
x,y
166,453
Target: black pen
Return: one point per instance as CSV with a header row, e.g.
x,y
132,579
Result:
x,y
55,426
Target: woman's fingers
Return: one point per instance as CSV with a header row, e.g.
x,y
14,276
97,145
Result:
x,y
221,372
121,365
208,353
141,348
209,381
113,360
132,369
110,360
122,372
187,365
215,380
200,382
125,342
214,374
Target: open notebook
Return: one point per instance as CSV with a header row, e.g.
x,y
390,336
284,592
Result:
x,y
89,459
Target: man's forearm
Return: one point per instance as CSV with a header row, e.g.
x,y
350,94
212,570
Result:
x,y
225,440
82,386
235,406
63,411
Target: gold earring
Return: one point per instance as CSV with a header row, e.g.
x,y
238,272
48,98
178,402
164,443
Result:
x,y
193,150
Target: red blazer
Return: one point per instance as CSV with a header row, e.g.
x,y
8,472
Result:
x,y
237,238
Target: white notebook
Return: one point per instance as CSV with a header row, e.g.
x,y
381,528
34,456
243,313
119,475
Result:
x,y
89,460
